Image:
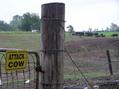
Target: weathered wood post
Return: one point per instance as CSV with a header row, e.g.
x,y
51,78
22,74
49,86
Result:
x,y
52,38
109,62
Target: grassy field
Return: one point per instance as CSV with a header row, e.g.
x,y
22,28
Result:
x,y
26,40
29,40
108,34
22,40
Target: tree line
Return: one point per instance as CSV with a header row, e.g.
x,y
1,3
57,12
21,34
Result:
x,y
112,28
26,22
31,21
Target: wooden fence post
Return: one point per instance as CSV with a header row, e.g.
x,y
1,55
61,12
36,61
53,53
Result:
x,y
109,62
52,45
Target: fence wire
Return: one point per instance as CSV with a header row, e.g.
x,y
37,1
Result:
x,y
93,64
23,79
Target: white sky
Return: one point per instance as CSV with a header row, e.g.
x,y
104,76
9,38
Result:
x,y
81,14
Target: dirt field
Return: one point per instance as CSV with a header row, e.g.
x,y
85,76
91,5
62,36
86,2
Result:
x,y
90,55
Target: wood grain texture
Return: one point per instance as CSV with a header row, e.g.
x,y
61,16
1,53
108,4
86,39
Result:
x,y
52,39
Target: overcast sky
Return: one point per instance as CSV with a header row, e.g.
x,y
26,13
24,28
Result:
x,y
81,14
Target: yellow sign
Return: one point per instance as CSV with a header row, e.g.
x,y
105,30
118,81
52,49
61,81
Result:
x,y
16,60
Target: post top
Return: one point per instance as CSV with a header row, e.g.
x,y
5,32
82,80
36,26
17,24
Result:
x,y
54,4
54,11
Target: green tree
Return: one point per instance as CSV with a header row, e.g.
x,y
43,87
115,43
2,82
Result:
x,y
26,22
30,22
4,26
16,22
114,27
35,21
70,29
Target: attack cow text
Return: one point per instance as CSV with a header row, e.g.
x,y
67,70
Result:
x,y
16,60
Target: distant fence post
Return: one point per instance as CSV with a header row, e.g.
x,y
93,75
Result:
x,y
109,62
52,45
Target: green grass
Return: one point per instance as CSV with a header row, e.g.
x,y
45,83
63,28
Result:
x,y
87,75
108,34
29,40
25,40
22,40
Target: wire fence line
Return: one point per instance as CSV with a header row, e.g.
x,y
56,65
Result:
x,y
75,68
92,65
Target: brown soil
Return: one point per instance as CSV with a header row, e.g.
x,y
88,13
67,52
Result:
x,y
93,43
92,51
